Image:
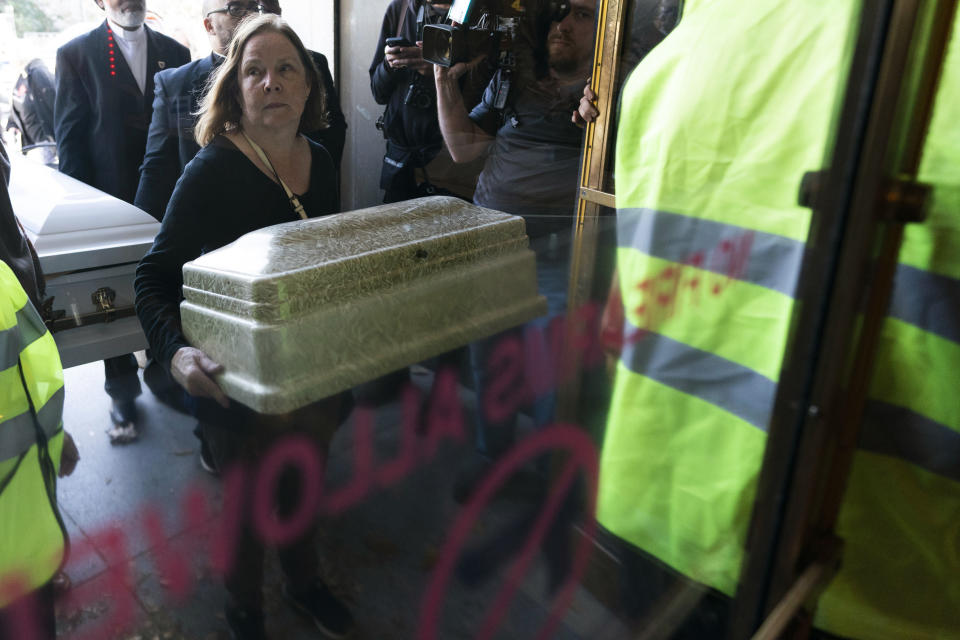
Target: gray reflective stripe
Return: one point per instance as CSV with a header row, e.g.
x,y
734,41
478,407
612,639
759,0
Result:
x,y
30,323
927,300
10,346
887,429
901,433
732,387
29,327
17,433
771,261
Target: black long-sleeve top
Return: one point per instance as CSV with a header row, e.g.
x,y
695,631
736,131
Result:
x,y
404,125
221,196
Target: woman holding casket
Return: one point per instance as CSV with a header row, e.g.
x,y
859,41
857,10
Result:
x,y
255,169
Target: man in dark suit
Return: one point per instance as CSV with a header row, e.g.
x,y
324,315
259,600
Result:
x,y
101,116
170,144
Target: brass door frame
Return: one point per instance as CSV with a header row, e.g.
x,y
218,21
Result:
x,y
591,197
869,192
860,203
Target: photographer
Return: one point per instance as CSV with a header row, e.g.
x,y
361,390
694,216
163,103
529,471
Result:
x,y
531,171
399,79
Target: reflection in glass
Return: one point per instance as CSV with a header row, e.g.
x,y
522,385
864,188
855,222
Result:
x,y
717,126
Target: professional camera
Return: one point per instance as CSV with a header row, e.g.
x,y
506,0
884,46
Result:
x,y
507,31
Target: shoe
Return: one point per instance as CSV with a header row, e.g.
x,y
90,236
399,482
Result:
x,y
206,458
123,414
245,623
317,603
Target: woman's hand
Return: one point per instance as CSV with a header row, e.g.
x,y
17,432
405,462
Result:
x,y
193,370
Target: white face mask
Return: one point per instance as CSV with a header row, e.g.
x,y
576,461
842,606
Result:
x,y
129,17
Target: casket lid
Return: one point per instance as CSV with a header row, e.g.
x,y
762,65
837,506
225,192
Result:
x,y
280,271
73,225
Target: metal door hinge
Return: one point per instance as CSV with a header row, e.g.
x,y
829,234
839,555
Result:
x,y
903,200
810,187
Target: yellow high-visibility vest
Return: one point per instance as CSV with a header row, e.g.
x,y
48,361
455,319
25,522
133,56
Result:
x,y
718,124
900,519
31,542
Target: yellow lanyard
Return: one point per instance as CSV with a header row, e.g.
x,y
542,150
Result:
x,y
294,201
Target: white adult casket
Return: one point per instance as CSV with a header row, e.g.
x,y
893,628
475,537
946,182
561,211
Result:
x,y
89,244
299,311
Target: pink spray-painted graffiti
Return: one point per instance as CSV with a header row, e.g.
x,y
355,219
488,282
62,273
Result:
x,y
678,287
521,370
582,456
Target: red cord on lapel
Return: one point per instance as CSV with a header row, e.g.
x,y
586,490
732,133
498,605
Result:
x,y
111,51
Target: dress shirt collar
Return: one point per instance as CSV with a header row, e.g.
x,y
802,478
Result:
x,y
134,37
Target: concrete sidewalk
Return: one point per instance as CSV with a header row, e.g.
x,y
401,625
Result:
x,y
124,507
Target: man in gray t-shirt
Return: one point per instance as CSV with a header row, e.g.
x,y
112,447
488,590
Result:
x,y
534,159
531,171
534,145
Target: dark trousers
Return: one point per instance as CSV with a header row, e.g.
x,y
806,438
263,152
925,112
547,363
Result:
x,y
164,388
246,439
121,382
34,610
553,272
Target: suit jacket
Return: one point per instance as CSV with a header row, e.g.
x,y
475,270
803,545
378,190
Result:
x,y
171,145
100,116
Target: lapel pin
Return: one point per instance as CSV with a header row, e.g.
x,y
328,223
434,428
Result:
x,y
161,64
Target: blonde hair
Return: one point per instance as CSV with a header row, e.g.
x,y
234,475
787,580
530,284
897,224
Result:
x,y
220,107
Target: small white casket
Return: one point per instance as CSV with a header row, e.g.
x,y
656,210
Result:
x,y
299,311
89,244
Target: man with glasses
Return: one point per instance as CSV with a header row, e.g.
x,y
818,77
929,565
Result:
x,y
171,145
101,116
